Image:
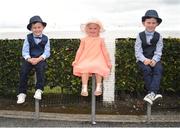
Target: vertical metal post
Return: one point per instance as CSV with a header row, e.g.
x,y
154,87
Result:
x,y
148,112
36,109
36,101
93,105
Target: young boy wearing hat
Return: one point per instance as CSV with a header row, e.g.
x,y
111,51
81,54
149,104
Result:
x,y
36,49
148,51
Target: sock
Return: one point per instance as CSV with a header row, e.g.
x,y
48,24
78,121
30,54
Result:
x,y
152,93
98,87
98,84
84,87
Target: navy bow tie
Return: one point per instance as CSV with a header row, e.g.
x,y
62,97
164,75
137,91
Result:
x,y
38,37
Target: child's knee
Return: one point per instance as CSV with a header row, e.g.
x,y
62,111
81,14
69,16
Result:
x,y
147,69
158,68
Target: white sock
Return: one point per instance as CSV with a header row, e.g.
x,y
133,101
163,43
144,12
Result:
x,y
84,87
152,93
98,84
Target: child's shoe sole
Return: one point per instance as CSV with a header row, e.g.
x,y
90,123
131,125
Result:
x,y
148,100
84,93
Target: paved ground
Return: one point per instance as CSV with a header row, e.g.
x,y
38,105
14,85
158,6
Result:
x,y
26,119
17,122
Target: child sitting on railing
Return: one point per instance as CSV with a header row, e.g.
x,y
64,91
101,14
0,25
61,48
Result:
x,y
35,51
148,51
92,57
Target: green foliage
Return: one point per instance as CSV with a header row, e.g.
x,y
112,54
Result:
x,y
127,74
59,71
171,63
10,53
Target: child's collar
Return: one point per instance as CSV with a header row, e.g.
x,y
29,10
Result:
x,y
37,36
149,33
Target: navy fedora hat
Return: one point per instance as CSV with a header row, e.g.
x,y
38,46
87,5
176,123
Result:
x,y
35,19
151,14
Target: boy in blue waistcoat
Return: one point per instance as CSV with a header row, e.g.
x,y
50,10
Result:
x,y
148,51
36,49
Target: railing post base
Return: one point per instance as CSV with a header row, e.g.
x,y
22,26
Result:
x,y
148,112
36,101
36,109
93,103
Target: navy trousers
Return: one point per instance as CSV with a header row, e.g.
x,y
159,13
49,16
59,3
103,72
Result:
x,y
25,69
152,76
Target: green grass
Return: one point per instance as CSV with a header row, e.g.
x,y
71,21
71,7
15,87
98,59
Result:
x,y
48,90
55,90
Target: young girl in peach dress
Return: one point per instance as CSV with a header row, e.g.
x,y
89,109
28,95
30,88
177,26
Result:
x,y
92,57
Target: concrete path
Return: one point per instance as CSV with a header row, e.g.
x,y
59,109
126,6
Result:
x,y
86,117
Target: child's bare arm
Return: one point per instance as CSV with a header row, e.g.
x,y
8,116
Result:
x,y
79,52
106,54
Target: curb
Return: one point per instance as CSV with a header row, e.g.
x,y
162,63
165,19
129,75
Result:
x,y
86,117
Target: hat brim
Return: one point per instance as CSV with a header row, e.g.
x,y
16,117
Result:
x,y
159,20
83,26
30,25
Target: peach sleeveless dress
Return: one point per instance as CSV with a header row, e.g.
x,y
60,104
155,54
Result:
x,y
92,57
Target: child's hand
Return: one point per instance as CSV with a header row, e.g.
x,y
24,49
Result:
x,y
30,60
35,61
110,66
153,63
74,63
147,61
39,59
